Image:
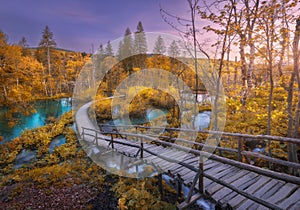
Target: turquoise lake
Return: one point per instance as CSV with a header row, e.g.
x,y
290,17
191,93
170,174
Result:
x,y
44,109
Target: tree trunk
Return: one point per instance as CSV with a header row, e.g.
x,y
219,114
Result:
x,y
292,153
296,70
5,92
227,65
48,60
235,72
243,70
251,63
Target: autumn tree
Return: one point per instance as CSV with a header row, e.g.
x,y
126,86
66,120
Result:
x,y
294,122
4,74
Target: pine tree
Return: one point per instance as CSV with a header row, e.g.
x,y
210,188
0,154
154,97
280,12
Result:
x,y
101,51
173,50
23,43
47,42
108,50
120,50
159,47
140,43
126,46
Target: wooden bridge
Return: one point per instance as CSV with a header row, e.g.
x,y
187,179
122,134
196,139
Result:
x,y
232,184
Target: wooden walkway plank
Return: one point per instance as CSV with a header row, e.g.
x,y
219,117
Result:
x,y
176,168
192,159
241,183
215,186
189,177
296,206
266,187
261,181
211,165
214,170
291,200
267,191
273,190
282,193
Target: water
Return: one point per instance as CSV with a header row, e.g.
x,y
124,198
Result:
x,y
202,202
44,109
202,120
56,142
24,157
151,114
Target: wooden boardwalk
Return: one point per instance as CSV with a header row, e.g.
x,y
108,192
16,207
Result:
x,y
228,184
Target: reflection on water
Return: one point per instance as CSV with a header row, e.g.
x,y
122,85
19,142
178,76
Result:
x,y
44,109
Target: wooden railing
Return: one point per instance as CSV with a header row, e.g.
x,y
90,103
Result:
x,y
200,174
240,138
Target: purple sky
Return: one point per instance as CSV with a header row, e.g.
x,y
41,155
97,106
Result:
x,y
77,24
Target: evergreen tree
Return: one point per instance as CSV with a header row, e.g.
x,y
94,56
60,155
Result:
x,y
173,50
47,42
140,43
126,46
120,50
108,50
23,43
101,51
159,47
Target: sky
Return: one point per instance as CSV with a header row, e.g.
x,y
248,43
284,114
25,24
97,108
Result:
x,y
82,25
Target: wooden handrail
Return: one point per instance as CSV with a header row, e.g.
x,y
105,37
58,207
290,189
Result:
x,y
245,136
273,174
200,171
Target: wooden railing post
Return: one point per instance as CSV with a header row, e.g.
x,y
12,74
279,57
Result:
x,y
171,135
178,186
160,186
142,148
82,133
201,177
112,141
96,137
240,148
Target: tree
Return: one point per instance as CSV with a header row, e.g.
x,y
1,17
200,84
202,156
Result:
x,y
101,52
23,43
47,42
4,74
140,46
159,46
296,55
108,50
173,50
126,46
140,42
